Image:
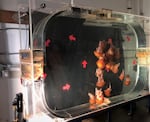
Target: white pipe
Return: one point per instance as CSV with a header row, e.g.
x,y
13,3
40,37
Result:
x,y
19,21
22,12
32,64
30,24
71,3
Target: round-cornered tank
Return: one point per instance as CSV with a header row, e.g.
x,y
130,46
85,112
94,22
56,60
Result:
x,y
87,52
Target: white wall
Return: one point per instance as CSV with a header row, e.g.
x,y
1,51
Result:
x,y
11,4
8,89
146,7
117,5
4,101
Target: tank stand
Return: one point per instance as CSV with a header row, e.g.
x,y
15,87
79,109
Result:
x,y
132,107
148,104
108,116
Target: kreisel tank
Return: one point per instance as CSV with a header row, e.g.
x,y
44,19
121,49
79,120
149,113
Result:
x,y
85,61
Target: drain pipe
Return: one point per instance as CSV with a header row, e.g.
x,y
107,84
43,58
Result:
x,y
141,7
129,6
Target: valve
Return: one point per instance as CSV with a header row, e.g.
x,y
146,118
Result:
x,y
18,108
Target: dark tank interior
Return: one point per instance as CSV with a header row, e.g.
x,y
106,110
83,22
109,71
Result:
x,y
72,44
80,52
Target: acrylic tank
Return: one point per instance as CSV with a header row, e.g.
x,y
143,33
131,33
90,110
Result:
x,y
93,60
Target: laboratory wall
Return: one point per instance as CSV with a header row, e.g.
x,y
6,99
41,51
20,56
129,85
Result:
x,y
118,5
132,6
8,87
